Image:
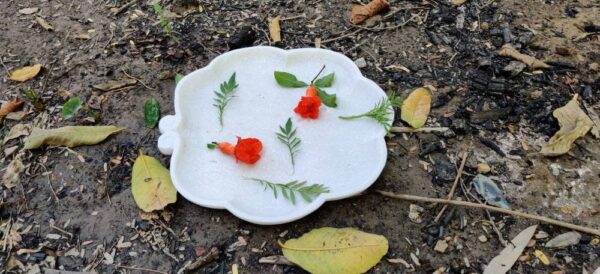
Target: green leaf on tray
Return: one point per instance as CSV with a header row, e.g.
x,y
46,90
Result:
x,y
222,97
325,81
287,135
71,107
151,112
381,112
288,80
329,100
70,136
289,190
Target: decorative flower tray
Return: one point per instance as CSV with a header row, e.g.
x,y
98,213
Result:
x,y
346,156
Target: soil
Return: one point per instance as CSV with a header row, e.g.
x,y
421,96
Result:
x,y
84,196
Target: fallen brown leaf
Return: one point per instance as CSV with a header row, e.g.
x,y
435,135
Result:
x,y
42,22
25,73
362,13
12,175
9,107
274,29
574,123
28,11
17,131
509,255
508,51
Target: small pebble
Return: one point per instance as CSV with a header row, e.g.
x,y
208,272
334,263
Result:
x,y
483,168
361,62
541,235
441,246
483,238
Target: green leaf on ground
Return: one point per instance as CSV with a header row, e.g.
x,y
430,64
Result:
x,y
71,107
151,112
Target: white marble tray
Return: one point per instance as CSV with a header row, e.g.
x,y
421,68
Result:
x,y
346,156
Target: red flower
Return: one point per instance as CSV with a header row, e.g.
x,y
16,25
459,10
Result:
x,y
247,150
308,107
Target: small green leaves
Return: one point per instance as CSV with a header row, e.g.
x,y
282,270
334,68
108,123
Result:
x,y
325,81
287,135
224,96
288,80
71,107
381,112
157,8
212,145
329,100
151,112
289,190
178,77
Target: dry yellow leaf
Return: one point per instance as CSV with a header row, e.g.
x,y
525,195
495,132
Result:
x,y
542,257
70,136
574,123
336,250
42,22
25,73
151,184
415,108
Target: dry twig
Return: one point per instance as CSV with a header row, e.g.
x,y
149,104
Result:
x,y
456,180
407,197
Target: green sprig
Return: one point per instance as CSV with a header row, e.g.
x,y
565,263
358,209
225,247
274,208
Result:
x,y
382,111
289,190
287,135
227,89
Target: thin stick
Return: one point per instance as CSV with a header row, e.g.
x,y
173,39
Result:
x,y
341,37
313,80
456,180
137,79
142,269
124,7
584,229
276,260
419,130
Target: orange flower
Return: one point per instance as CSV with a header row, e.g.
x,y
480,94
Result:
x,y
247,150
226,148
308,107
311,91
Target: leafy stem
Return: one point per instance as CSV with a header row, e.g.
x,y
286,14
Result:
x,y
381,112
289,190
287,135
225,95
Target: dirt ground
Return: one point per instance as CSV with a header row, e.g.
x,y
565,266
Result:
x,y
74,210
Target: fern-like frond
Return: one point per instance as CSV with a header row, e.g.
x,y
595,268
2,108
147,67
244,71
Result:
x,y
291,189
382,112
287,135
224,95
